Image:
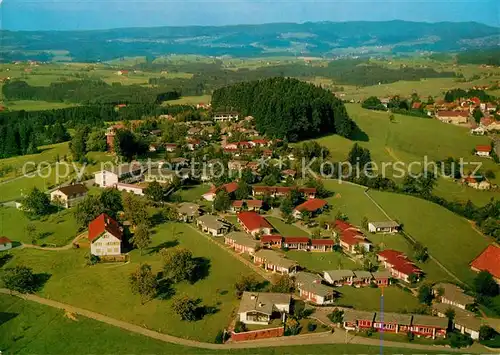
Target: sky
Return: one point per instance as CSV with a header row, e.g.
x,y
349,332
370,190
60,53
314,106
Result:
x,y
103,14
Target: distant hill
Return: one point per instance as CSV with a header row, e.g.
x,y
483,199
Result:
x,y
328,39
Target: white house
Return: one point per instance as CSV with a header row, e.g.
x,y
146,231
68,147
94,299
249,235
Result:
x,y
69,196
383,227
225,116
126,173
105,236
5,243
260,307
483,150
136,189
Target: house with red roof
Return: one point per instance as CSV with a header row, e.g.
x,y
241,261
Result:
x,y
170,147
322,245
105,236
313,207
488,260
253,223
229,187
5,243
483,150
351,241
398,264
296,243
271,241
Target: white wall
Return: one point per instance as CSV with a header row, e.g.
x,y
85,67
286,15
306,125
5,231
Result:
x,y
106,245
5,246
106,178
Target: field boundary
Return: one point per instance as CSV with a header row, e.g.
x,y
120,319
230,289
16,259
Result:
x,y
412,239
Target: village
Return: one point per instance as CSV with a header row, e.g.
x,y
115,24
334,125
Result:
x,y
236,216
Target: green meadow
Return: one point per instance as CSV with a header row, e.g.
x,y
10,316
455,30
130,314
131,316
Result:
x,y
98,284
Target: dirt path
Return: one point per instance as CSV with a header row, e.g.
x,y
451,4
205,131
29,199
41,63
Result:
x,y
64,247
338,337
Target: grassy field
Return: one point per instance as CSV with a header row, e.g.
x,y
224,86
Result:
x,y
32,105
57,229
44,177
452,190
110,281
286,230
190,100
369,299
30,328
410,139
319,262
449,237
351,200
191,193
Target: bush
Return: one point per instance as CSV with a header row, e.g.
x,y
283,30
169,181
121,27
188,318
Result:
x,y
458,340
410,336
221,337
92,259
311,327
240,327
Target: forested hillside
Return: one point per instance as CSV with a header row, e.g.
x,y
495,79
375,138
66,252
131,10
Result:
x,y
86,91
286,108
318,39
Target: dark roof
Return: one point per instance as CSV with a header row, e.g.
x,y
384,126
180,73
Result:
x,y
75,189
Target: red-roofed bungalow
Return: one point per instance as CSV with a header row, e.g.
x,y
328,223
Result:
x,y
271,241
322,245
298,243
253,223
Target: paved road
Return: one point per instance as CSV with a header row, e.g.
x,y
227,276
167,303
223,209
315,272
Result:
x,y
338,337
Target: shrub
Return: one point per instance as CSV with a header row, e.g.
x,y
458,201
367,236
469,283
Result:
x,y
311,327
240,327
221,337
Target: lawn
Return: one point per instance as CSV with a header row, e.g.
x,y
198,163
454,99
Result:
x,y
190,100
286,230
319,262
30,328
351,200
369,299
57,229
452,191
191,193
406,139
107,282
47,153
32,105
449,237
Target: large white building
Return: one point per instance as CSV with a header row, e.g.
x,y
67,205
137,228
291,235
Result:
x,y
126,173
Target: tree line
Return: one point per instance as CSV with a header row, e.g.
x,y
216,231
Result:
x,y
286,108
87,91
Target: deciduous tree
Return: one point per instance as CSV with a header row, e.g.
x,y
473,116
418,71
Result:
x,y
143,283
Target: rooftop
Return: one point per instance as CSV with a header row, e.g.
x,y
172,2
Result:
x,y
338,275
454,293
104,223
262,302
253,221
311,205
275,258
189,209
488,260
242,239
71,190
212,222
